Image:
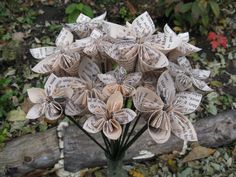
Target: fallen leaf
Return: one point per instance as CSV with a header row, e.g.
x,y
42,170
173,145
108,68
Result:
x,y
167,157
131,8
135,173
16,115
18,36
198,152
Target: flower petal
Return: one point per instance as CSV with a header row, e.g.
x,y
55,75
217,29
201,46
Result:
x,y
107,78
111,88
184,64
145,100
187,102
73,109
127,90
64,38
88,70
45,65
201,74
93,124
182,127
201,85
183,82
162,133
42,52
36,95
124,116
36,111
112,129
133,79
166,87
97,106
53,110
151,59
115,102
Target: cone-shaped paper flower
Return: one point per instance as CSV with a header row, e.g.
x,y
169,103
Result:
x,y
48,101
119,80
61,60
108,117
87,86
85,25
139,47
186,76
168,110
184,47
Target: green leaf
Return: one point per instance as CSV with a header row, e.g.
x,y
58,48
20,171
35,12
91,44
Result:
x,y
211,108
16,115
87,10
195,11
215,7
205,20
72,7
185,7
80,7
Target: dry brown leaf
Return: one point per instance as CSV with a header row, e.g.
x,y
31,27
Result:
x,y
167,157
131,7
198,152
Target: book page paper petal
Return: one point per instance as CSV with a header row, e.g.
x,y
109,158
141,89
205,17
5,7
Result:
x,y
183,82
53,110
133,79
65,38
42,52
112,129
88,70
115,102
145,100
201,74
107,78
97,106
184,63
93,124
162,133
36,111
124,116
187,101
166,87
73,109
201,85
182,127
143,25
45,65
36,95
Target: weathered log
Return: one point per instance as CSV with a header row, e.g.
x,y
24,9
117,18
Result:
x,y
39,151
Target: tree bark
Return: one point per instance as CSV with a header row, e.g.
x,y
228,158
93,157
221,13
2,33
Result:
x,y
39,151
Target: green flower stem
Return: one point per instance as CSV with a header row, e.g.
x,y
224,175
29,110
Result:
x,y
92,138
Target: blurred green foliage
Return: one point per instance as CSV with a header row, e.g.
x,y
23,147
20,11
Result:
x,y
73,10
193,13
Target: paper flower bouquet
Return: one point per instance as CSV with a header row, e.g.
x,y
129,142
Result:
x,y
113,76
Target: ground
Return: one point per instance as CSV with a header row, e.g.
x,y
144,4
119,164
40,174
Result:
x,y
31,23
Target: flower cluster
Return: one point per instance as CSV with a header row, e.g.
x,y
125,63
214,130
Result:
x,y
109,65
217,40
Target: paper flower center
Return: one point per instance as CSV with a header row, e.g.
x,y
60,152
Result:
x,y
49,99
167,108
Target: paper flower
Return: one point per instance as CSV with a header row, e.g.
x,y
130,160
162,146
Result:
x,y
108,117
61,60
84,24
138,47
167,110
184,47
48,100
86,86
119,80
186,76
